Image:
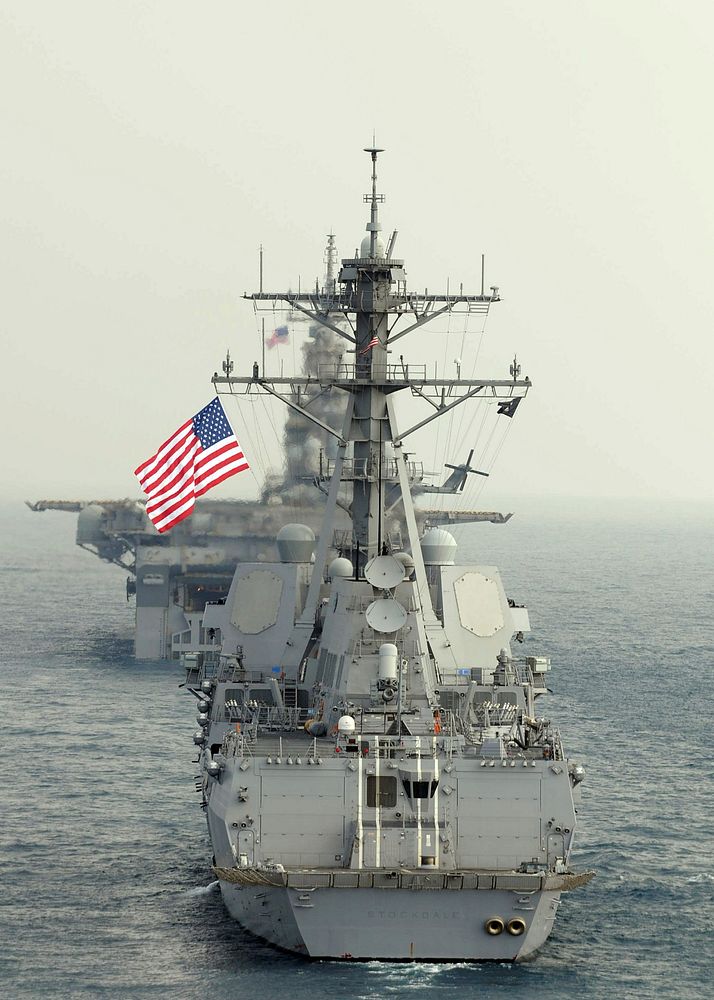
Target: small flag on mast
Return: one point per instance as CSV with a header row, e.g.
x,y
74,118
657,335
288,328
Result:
x,y
509,406
201,454
277,337
373,343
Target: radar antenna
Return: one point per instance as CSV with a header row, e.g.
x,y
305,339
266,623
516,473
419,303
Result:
x,y
373,226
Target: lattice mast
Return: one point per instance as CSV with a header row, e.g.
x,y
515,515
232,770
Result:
x,y
330,261
368,280
370,296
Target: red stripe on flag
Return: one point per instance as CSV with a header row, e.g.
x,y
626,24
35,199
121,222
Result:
x,y
172,470
169,445
164,524
181,470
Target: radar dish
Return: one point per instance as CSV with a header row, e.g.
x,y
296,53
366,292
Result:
x,y
386,615
384,572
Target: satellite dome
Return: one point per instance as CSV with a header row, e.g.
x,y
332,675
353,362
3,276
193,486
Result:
x,y
438,547
386,615
340,568
296,543
407,562
367,243
384,572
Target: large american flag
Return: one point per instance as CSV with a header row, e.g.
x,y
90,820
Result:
x,y
202,453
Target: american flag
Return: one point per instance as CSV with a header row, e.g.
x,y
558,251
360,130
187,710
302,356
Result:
x,y
373,343
277,337
202,453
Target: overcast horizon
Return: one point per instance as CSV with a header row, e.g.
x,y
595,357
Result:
x,y
151,147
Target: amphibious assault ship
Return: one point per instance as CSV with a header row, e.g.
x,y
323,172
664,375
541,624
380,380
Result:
x,y
172,577
377,781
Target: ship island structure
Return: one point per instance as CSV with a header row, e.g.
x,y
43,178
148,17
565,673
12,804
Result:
x,y
376,779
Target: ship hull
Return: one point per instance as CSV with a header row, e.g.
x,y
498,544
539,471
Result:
x,y
393,924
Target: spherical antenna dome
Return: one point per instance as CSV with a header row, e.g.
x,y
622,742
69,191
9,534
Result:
x,y
438,547
367,243
407,562
340,568
296,543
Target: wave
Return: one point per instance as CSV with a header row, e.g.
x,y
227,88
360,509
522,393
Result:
x,y
202,890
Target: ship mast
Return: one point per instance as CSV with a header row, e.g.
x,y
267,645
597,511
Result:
x,y
330,261
367,279
371,298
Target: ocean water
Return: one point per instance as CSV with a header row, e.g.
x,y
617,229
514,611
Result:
x,y
106,888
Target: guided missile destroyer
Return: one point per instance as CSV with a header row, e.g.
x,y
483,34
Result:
x,y
376,779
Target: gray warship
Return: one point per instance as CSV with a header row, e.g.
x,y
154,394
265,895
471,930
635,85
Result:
x,y
376,779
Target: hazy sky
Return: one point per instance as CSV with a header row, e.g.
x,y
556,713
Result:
x,y
149,148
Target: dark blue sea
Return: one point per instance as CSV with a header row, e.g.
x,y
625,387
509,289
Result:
x,y
106,889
